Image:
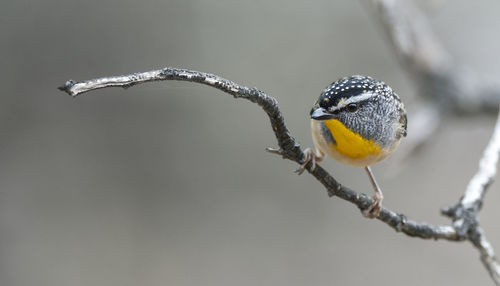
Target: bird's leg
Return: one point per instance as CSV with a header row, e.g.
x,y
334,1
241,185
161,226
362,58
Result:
x,y
310,156
374,210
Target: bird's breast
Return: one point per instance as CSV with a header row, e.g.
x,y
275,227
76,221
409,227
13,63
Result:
x,y
333,138
350,143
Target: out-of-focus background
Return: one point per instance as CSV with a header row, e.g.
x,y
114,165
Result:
x,y
169,184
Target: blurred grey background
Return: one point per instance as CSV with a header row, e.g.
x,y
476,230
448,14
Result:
x,y
169,184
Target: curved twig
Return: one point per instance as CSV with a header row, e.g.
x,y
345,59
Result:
x,y
289,147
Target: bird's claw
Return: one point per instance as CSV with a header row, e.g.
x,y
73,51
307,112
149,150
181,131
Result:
x,y
373,211
310,157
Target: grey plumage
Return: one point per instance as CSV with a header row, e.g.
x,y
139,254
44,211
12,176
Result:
x,y
379,114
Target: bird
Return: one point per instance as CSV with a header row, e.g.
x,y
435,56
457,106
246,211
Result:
x,y
359,121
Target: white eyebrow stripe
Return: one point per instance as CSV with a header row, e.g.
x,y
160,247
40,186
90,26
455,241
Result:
x,y
353,99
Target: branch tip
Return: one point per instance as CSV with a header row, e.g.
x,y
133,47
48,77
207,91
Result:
x,y
274,151
449,211
66,87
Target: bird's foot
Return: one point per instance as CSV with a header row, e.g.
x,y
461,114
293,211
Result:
x,y
374,209
310,157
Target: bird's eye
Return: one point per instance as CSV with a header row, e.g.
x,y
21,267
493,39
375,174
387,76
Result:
x,y
351,107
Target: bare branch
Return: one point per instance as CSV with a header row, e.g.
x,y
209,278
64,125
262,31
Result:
x,y
289,147
75,88
487,255
472,200
464,214
269,104
478,185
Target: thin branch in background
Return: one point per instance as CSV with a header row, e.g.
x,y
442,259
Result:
x,y
437,77
418,48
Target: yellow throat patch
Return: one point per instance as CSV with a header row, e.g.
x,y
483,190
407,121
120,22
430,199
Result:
x,y
350,143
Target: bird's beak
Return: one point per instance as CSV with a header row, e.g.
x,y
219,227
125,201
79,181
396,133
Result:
x,y
321,114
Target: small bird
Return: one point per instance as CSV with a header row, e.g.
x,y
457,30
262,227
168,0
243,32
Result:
x,y
358,121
